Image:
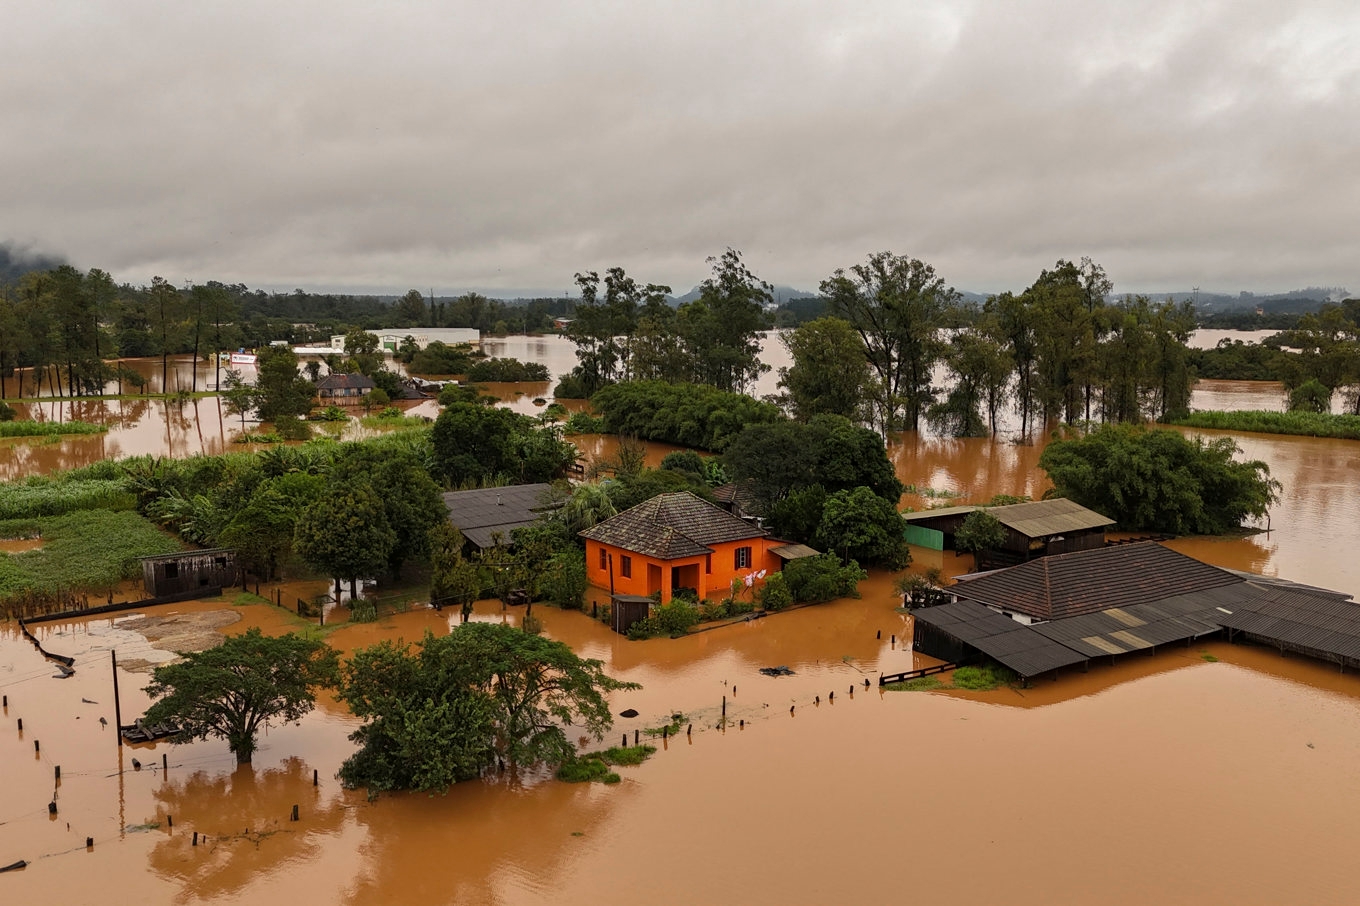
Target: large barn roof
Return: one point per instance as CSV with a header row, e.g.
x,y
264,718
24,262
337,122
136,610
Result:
x,y
671,526
1069,585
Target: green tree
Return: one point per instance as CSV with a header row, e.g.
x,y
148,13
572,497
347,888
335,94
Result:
x,y
410,309
1311,396
475,444
1158,480
980,531
362,349
830,371
454,580
897,305
483,692
860,525
230,691
281,388
345,533
721,329
981,365
239,397
605,322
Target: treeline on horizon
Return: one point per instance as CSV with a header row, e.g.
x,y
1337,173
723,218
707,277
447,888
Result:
x,y
1062,349
69,325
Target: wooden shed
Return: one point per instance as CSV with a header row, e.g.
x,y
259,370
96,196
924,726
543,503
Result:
x,y
188,572
625,610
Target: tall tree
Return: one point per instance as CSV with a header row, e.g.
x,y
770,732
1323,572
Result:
x,y
165,305
281,388
897,305
830,371
231,691
721,328
345,533
605,322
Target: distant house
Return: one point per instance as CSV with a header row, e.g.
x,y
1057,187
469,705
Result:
x,y
1036,528
676,541
344,389
485,514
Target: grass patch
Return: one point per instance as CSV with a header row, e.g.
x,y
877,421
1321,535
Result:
x,y
258,437
595,767
48,429
975,679
670,729
1208,657
920,684
84,552
984,678
384,420
1307,424
244,598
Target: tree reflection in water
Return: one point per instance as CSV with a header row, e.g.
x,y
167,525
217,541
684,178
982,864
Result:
x,y
244,826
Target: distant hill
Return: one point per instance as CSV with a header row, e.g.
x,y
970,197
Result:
x,y
780,293
1298,301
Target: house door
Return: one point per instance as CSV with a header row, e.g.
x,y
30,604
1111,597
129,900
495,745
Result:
x,y
653,578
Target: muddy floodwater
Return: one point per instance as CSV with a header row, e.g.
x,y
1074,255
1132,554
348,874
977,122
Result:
x,y
1165,778
1205,774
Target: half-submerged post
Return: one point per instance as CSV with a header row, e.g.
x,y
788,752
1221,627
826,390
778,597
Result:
x,y
117,706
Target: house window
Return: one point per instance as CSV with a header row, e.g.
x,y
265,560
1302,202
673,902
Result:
x,y
743,559
626,566
708,563
604,559
172,570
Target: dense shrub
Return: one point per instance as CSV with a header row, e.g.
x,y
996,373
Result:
x,y
508,371
441,358
584,423
689,415
1158,480
46,429
673,620
1308,424
822,578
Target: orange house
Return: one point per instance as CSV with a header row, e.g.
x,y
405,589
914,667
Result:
x,y
677,541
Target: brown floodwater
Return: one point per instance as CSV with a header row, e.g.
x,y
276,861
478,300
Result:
x,y
1230,780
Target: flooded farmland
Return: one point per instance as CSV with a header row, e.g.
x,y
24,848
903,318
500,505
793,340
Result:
x,y
1163,778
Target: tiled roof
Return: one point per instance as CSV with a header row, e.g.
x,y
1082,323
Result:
x,y
1068,585
671,526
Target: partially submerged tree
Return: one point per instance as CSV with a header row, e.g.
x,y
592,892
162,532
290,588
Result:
x,y
447,710
231,691
1159,480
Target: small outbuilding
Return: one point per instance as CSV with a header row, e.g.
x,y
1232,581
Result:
x,y
1035,528
189,573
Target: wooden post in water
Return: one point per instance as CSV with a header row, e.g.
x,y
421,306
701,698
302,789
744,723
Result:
x,y
295,814
117,707
165,762
21,725
169,820
724,711
89,842
36,747
195,843
56,773
314,780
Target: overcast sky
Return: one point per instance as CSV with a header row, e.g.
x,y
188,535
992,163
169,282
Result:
x,y
504,146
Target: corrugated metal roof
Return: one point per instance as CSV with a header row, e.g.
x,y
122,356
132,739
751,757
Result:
x,y
1299,615
1033,519
481,512
794,551
1016,646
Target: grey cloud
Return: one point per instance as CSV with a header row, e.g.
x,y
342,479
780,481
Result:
x,y
510,145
